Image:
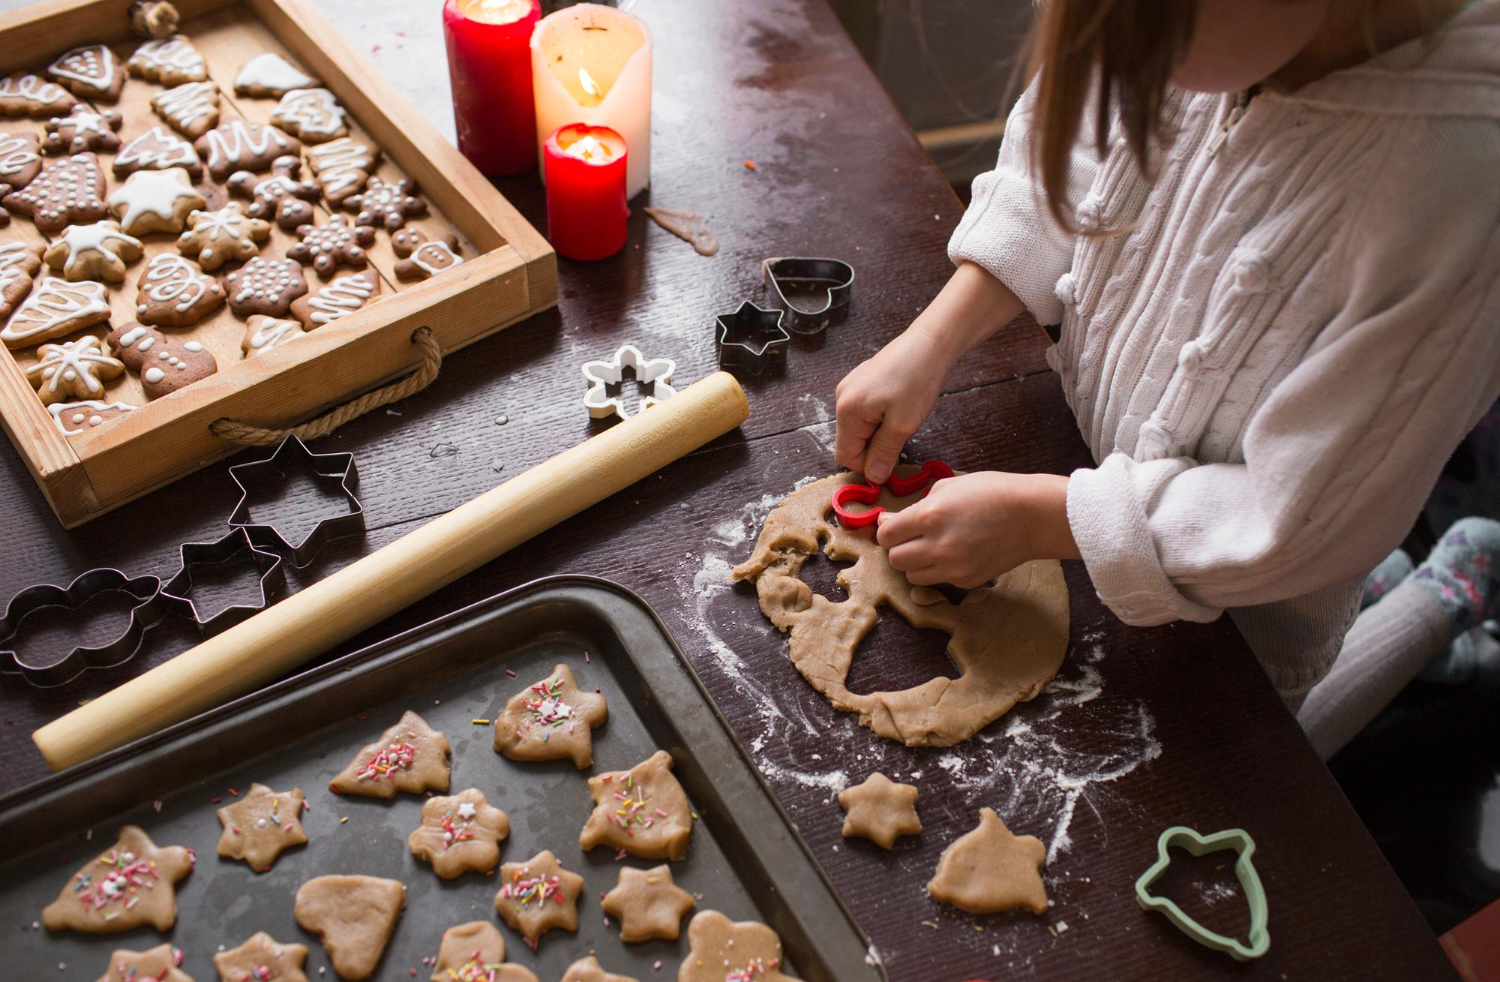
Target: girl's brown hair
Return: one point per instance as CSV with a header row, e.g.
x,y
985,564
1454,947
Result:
x,y
1124,48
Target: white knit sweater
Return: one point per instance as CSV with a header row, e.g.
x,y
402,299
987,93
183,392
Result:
x,y
1273,365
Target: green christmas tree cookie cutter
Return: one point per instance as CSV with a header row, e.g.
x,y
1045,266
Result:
x,y
1255,895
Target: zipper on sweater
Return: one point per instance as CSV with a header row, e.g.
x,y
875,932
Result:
x,y
1236,113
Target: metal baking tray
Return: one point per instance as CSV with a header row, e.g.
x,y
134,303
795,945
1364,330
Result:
x,y
746,858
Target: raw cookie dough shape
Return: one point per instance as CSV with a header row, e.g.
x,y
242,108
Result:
x,y
552,720
880,810
126,886
159,964
647,904
990,869
410,756
281,962
589,970
258,826
642,811
459,833
354,916
537,896
1008,639
721,949
475,952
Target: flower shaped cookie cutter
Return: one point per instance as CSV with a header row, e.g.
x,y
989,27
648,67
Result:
x,y
1239,841
655,373
931,472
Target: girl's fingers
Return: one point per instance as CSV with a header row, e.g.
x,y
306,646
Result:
x,y
851,439
926,576
883,452
894,528
908,556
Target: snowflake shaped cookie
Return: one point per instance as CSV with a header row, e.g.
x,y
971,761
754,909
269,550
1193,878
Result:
x,y
73,370
387,204
333,245
222,236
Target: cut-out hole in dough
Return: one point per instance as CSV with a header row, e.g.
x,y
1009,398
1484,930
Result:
x,y
821,576
897,656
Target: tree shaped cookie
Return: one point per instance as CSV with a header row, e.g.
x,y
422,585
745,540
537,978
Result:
x,y
83,129
720,949
56,307
168,61
387,205
475,952
537,896
160,964
128,885
89,72
19,262
72,370
880,810
988,870
647,904
157,149
262,959
327,247
259,825
238,145
459,833
551,720
642,811
410,756
422,257
31,95
265,286
342,167
270,75
175,292
223,236
589,970
337,300
280,197
314,115
156,201
67,192
354,916
99,251
191,109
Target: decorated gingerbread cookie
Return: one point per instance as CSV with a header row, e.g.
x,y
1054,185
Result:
x,y
332,245
224,236
73,418
260,825
161,964
282,197
72,370
19,262
642,811
56,307
387,205
164,364
90,72
175,292
263,333
553,719
168,61
354,915
475,952
238,145
265,286
342,167
270,75
337,300
537,896
128,885
99,251
312,114
191,109
422,257
20,160
262,959
83,129
880,810
459,833
157,149
156,201
647,904
67,192
720,949
32,95
410,756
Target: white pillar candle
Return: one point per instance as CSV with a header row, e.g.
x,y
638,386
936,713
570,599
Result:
x,y
592,64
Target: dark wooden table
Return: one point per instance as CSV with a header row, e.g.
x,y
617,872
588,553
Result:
x,y
1143,729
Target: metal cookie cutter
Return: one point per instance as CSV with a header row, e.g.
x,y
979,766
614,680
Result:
x,y
653,372
751,339
930,473
1255,895
797,270
334,468
177,593
96,582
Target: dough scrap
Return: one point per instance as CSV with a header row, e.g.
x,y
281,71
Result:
x,y
648,904
719,947
990,869
126,886
459,833
537,896
880,810
475,952
551,720
410,756
643,811
159,964
1008,639
260,825
354,916
277,961
589,970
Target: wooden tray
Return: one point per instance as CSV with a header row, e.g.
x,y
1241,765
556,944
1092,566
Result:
x,y
510,271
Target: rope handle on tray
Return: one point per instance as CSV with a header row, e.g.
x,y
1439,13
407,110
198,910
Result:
x,y
428,351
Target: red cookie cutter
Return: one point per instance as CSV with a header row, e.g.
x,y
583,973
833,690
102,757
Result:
x,y
932,472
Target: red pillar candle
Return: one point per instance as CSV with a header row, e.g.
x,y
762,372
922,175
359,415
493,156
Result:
x,y
585,170
489,63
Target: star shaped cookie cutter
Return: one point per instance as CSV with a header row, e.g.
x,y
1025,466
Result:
x,y
144,613
1239,840
176,593
331,468
751,339
783,271
655,373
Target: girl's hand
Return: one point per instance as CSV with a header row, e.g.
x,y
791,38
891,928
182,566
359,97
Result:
x,y
884,400
971,529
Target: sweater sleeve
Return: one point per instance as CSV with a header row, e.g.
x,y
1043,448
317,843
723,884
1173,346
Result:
x,y
1008,228
1343,452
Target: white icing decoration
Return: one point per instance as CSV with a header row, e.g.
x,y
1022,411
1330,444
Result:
x,y
131,336
82,121
15,155
52,307
172,277
271,331
341,298
11,256
340,163
32,88
313,111
76,416
233,143
173,53
185,104
72,361
92,66
150,192
273,72
156,149
154,375
442,257
81,240
193,346
262,278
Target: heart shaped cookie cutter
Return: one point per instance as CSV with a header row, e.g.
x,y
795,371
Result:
x,y
777,273
930,473
1240,842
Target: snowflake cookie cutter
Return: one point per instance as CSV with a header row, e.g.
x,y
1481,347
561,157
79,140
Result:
x,y
778,273
144,613
655,373
334,469
931,472
1239,841
751,339
176,593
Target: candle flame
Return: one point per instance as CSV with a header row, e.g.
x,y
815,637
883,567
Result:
x,y
587,148
589,85
499,11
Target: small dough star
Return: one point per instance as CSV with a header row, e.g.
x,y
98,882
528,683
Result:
x,y
260,825
989,869
648,904
589,970
537,896
159,964
263,953
880,810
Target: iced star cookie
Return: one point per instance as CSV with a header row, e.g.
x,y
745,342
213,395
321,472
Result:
x,y
537,896
90,72
99,251
588,969
260,825
175,292
164,364
68,192
168,61
56,307
342,167
422,257
157,149
720,949
262,959
238,145
282,197
990,869
387,205
72,370
475,952
327,247
226,235
82,130
410,756
880,810
642,811
156,201
191,109
265,286
314,115
160,964
337,300
647,904
270,75
354,916
19,262
263,333
127,886
459,833
551,720
31,95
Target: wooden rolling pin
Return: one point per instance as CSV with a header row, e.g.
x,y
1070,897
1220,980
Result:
x,y
274,642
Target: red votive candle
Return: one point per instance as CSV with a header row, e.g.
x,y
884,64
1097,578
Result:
x,y
586,211
489,63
